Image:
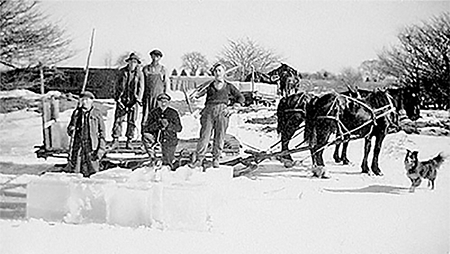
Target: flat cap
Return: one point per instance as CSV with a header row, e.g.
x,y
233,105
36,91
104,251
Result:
x,y
215,66
163,96
87,94
156,52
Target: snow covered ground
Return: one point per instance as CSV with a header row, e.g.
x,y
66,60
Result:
x,y
276,210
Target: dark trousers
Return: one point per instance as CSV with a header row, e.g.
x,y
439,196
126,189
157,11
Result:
x,y
168,151
121,114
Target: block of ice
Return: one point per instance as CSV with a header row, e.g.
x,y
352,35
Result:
x,y
144,174
47,196
222,175
87,201
119,175
130,205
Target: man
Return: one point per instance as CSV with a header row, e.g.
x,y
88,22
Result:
x,y
156,82
128,95
220,94
162,126
87,134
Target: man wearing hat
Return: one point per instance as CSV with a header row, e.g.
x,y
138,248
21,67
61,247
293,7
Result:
x,y
128,95
156,80
163,124
220,95
87,134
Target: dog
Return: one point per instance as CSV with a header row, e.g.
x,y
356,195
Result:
x,y
416,170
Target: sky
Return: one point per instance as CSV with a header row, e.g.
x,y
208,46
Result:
x,y
310,35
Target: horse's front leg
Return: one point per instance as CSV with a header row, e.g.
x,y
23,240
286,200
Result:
x,y
367,145
376,152
336,156
286,159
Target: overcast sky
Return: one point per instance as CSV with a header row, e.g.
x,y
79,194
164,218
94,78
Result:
x,y
310,35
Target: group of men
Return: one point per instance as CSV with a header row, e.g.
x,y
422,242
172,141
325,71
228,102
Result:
x,y
160,123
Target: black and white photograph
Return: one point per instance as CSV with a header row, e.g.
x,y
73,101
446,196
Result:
x,y
224,126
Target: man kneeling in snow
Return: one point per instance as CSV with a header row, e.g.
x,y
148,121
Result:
x,y
162,126
87,134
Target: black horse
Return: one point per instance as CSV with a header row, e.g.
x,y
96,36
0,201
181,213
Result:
x,y
291,113
287,78
348,118
259,77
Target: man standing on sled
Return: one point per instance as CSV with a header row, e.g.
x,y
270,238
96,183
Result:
x,y
128,95
220,94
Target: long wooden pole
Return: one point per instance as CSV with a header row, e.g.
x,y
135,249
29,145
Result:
x,y
86,74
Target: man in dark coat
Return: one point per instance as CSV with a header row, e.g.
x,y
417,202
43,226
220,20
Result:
x,y
162,126
87,134
128,95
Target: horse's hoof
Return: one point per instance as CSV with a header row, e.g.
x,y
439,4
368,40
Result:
x,y
288,164
346,162
378,173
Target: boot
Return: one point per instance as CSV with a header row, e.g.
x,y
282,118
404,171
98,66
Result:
x,y
216,163
128,143
115,144
197,162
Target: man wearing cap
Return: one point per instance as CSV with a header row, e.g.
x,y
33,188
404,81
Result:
x,y
163,124
87,134
155,83
128,95
220,95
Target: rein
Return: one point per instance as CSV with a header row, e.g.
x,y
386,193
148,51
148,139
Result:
x,y
340,124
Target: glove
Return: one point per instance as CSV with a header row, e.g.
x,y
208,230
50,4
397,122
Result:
x,y
164,122
227,112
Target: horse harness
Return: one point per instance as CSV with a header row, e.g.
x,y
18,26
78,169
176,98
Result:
x,y
341,126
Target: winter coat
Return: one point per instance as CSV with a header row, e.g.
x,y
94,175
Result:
x,y
134,85
96,129
153,125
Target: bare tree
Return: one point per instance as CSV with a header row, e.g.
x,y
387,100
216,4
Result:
x,y
28,38
371,70
193,62
422,59
350,76
248,53
108,59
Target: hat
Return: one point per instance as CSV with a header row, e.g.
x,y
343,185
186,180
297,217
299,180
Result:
x,y
133,56
163,96
87,94
156,52
214,67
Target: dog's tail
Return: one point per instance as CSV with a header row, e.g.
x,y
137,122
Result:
x,y
439,159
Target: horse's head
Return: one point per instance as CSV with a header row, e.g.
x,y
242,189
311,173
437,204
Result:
x,y
291,111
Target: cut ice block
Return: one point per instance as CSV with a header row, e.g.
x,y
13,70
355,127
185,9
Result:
x,y
119,175
185,206
47,196
130,205
87,201
222,175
